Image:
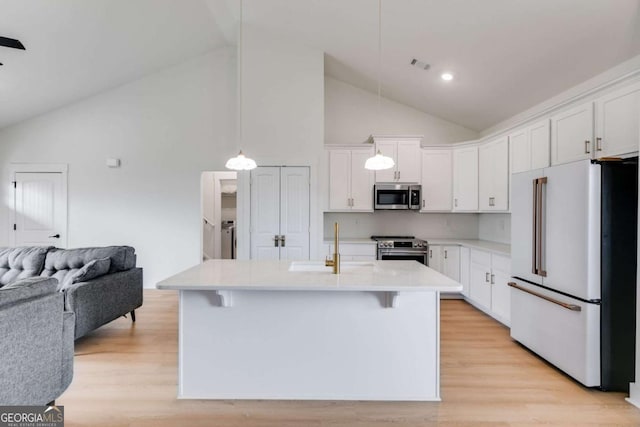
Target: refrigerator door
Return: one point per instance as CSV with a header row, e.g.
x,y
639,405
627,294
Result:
x,y
523,238
562,330
571,229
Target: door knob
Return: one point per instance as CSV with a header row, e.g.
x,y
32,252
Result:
x,y
55,236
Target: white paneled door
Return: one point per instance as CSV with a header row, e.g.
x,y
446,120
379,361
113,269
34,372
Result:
x,y
280,213
40,209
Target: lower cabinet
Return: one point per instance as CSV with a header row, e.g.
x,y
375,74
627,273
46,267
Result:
x,y
488,288
445,259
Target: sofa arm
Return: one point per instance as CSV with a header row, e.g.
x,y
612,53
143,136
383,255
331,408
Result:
x,y
103,299
68,330
30,351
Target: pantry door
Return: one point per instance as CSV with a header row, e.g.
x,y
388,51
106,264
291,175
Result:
x,y
40,206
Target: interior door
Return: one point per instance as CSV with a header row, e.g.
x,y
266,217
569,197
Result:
x,y
40,209
265,212
294,213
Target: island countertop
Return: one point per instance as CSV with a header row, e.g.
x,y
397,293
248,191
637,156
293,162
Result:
x,y
393,276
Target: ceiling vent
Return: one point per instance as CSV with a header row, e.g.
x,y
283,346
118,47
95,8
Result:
x,y
420,64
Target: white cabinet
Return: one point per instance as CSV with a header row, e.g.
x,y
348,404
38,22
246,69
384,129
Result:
x,y
446,260
350,184
529,147
488,288
465,260
494,175
465,179
572,134
435,258
405,152
280,213
437,180
354,251
618,122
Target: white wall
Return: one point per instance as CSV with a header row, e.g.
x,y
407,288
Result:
x,y
432,225
351,115
283,117
166,128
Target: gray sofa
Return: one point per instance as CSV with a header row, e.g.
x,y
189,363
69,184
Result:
x,y
98,284
36,349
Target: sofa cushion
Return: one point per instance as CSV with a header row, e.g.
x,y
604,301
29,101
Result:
x,y
26,288
91,270
63,263
20,263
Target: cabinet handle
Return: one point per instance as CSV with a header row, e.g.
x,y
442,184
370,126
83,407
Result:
x,y
455,203
599,144
398,175
586,147
445,254
493,279
430,253
486,277
282,240
352,202
423,203
276,240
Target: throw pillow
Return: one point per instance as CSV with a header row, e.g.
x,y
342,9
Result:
x,y
91,270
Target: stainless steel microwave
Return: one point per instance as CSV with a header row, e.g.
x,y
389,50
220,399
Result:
x,y
396,196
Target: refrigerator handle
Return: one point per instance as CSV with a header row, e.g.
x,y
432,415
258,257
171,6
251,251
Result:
x,y
534,226
571,307
541,181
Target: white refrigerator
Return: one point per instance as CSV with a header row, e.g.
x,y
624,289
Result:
x,y
574,244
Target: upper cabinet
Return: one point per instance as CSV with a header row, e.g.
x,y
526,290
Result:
x,y
465,179
529,147
493,182
350,184
572,134
617,122
437,180
405,151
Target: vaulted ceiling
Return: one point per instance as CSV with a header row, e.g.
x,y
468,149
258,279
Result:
x,y
506,55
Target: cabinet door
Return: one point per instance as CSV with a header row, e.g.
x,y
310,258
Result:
x,y
572,134
361,181
408,161
265,212
435,257
294,213
539,139
485,176
480,279
617,122
436,180
465,179
500,290
465,270
339,179
451,262
499,196
387,148
520,147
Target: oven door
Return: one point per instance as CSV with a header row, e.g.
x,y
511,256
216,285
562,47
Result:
x,y
403,255
391,197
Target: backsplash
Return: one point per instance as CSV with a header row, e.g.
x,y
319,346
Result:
x,y
495,227
432,225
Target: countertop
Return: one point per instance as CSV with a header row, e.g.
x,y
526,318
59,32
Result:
x,y
389,276
485,245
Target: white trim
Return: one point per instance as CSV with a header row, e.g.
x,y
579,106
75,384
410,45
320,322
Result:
x,y
62,168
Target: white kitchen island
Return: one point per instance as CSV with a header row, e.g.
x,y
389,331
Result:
x,y
293,330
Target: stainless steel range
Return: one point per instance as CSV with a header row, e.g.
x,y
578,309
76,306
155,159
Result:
x,y
402,248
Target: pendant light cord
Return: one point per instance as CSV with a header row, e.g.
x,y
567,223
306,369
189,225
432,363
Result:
x,y
240,82
379,60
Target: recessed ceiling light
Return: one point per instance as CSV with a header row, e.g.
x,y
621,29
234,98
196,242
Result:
x,y
446,76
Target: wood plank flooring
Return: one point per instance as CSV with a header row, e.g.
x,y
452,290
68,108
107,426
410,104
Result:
x,y
126,376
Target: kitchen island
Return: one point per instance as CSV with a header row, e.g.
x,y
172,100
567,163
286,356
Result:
x,y
292,330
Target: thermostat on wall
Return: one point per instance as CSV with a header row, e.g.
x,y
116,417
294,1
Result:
x,y
113,163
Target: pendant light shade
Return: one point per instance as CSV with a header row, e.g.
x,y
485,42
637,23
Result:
x,y
240,162
379,162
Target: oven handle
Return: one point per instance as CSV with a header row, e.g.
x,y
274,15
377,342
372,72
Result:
x,y
382,252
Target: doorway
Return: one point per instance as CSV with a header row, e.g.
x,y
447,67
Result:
x,y
218,198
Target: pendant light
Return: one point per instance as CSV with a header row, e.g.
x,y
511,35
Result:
x,y
240,162
379,162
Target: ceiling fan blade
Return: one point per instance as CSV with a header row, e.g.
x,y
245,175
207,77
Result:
x,y
13,43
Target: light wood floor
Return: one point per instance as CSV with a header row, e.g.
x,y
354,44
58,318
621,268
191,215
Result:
x,y
126,376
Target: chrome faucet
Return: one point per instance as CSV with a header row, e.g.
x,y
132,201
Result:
x,y
335,262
